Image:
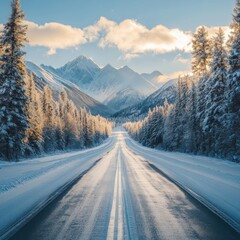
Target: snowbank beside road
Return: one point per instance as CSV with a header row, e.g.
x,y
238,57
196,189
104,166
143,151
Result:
x,y
28,185
214,182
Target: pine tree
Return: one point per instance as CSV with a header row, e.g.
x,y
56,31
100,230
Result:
x,y
201,113
1,45
63,115
1,53
233,84
88,134
49,117
60,140
192,119
184,120
13,104
177,129
34,131
200,52
206,115
156,128
71,125
215,99
81,127
200,65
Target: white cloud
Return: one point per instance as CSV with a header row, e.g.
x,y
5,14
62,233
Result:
x,y
129,36
132,37
93,32
54,36
130,56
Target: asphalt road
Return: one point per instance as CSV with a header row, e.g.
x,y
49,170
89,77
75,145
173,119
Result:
x,y
123,197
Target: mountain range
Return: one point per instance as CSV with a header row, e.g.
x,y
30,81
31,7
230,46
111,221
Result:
x,y
105,91
45,76
138,111
116,88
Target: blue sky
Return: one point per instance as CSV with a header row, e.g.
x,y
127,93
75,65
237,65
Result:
x,y
184,15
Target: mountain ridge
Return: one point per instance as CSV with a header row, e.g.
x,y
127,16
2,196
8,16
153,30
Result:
x,y
44,75
166,92
105,84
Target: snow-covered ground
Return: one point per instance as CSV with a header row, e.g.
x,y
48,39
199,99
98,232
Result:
x,y
214,182
26,186
122,197
122,194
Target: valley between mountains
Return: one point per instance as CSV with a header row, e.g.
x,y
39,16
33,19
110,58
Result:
x,y
106,90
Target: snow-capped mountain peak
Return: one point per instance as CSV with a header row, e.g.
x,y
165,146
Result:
x,y
83,63
108,68
106,83
45,75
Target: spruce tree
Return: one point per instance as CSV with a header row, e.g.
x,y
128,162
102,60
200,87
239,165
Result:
x,y
1,53
13,104
62,130
34,131
1,46
60,140
200,65
192,119
177,136
233,84
49,117
215,99
200,52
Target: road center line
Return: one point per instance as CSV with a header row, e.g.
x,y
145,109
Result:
x,y
115,226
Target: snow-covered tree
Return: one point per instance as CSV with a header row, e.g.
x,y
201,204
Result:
x,y
13,103
191,145
179,114
205,117
213,123
34,131
233,84
1,45
31,120
1,53
59,124
200,52
72,135
150,130
49,117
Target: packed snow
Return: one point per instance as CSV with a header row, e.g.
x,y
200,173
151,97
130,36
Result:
x,y
212,181
123,197
25,186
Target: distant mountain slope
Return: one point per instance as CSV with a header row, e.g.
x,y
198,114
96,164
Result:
x,y
47,76
153,78
167,91
81,71
121,99
106,84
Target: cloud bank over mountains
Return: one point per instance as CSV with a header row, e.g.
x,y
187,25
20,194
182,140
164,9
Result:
x,y
129,36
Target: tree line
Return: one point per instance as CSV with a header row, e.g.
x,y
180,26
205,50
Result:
x,y
31,122
205,118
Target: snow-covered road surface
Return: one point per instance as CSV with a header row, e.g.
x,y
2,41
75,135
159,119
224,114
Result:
x,y
27,186
123,197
